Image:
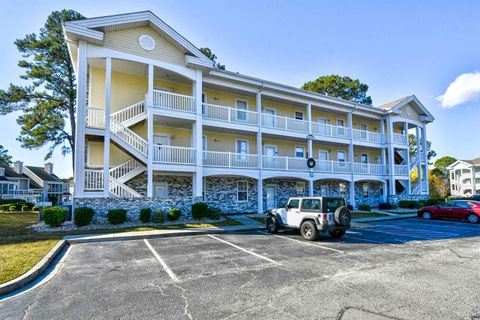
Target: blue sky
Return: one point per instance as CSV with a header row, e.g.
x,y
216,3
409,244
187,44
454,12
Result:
x,y
397,47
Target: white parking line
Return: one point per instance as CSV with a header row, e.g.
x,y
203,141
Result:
x,y
420,230
306,243
396,234
244,250
164,265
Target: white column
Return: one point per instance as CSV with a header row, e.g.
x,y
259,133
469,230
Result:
x,y
351,158
385,191
384,156
310,148
425,156
150,131
419,159
79,161
106,140
259,153
474,185
391,156
197,91
409,183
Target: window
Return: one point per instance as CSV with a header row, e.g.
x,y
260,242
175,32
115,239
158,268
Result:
x,y
160,191
331,204
299,152
242,147
269,117
298,115
364,158
242,191
241,115
323,190
365,190
340,127
363,129
342,189
341,156
311,204
293,204
300,188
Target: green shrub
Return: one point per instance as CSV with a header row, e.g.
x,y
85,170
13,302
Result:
x,y
199,210
12,207
54,216
364,207
10,201
214,213
174,214
434,201
83,216
145,214
117,216
414,205
35,208
384,206
404,204
158,216
25,208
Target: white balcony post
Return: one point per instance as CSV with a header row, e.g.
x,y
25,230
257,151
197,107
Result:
x,y
197,93
409,182
391,157
150,154
106,140
351,158
419,159
425,159
259,153
79,161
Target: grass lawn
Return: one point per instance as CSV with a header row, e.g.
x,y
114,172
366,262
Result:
x,y
21,248
259,219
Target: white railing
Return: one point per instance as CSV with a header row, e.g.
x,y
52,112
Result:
x,y
284,123
228,114
328,130
332,166
122,191
284,163
369,169
129,112
368,136
95,117
173,155
130,137
124,168
401,170
93,179
400,138
173,101
413,161
230,160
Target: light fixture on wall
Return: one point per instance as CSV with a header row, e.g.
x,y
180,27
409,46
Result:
x,y
215,98
216,140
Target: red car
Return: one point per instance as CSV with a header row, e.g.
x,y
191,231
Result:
x,y
464,210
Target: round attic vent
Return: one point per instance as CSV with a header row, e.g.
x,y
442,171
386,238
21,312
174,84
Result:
x,y
146,42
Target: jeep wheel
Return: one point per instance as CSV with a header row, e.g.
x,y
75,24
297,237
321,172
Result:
x,y
271,224
309,231
337,233
343,216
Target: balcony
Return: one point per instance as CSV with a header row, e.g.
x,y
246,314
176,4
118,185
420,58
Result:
x,y
94,180
173,155
400,139
173,101
229,114
327,130
368,136
284,123
330,166
401,170
95,118
284,163
230,160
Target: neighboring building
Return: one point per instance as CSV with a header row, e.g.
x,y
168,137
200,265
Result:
x,y
178,130
465,177
32,184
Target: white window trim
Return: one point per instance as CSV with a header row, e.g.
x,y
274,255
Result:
x,y
270,145
246,182
327,121
361,156
299,111
344,153
295,152
161,184
274,193
162,135
326,151
236,144
304,187
241,100
270,109
89,145
336,123
363,124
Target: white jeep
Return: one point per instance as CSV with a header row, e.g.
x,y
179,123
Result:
x,y
311,215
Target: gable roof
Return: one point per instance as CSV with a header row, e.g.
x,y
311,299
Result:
x,y
93,30
44,175
394,106
469,163
474,162
11,173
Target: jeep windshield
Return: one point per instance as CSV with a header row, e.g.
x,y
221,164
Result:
x,y
331,204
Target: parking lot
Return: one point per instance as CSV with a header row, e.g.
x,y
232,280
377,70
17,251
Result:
x,y
402,269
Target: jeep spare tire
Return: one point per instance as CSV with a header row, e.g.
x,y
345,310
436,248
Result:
x,y
343,216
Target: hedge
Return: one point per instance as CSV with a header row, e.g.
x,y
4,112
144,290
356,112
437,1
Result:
x,y
145,214
54,216
384,206
199,210
158,216
364,207
83,216
174,214
117,216
214,213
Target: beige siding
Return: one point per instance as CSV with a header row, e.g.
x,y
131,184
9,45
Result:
x,y
224,142
227,99
413,112
284,109
332,151
331,117
95,154
285,148
127,41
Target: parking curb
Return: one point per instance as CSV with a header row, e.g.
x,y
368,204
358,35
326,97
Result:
x,y
34,272
154,234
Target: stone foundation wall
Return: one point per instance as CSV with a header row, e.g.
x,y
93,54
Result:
x,y
332,188
285,188
415,197
375,193
221,192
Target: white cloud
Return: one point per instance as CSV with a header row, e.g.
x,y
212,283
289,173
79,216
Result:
x,y
465,88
